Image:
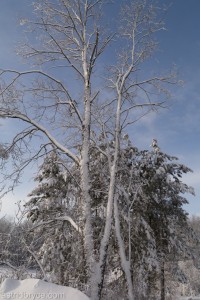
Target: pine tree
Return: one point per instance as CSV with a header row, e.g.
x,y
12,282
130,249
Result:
x,y
150,196
51,201
160,206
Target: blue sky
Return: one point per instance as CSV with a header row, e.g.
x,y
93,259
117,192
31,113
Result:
x,y
176,128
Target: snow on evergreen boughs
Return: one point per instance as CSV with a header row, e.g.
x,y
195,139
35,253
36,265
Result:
x,y
52,200
150,196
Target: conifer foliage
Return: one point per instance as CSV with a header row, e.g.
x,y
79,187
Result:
x,y
50,201
149,196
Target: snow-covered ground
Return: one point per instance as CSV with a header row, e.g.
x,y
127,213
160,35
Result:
x,y
7,272
190,298
34,289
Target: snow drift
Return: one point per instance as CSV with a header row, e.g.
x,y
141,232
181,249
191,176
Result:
x,y
34,289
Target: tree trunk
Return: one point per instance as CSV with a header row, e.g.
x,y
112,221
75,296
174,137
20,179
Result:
x,y
84,171
100,267
162,281
124,263
86,198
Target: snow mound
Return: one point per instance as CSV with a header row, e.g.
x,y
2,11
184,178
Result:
x,y
34,289
190,298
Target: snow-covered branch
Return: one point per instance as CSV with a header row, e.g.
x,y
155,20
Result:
x,y
15,115
62,218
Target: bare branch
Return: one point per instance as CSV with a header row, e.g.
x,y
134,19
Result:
x,y
26,119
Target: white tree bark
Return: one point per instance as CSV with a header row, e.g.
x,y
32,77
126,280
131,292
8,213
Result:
x,y
124,262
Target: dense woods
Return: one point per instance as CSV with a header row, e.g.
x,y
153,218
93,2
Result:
x,y
150,227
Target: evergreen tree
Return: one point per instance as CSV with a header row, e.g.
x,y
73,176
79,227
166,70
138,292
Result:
x,y
51,204
150,195
159,207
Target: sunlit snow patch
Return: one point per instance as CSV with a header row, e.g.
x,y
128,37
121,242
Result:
x,y
34,289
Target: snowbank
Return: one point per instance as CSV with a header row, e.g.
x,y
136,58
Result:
x,y
35,289
190,298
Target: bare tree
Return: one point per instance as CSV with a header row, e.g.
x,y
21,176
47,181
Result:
x,y
63,104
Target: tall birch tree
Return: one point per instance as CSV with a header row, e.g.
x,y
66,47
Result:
x,y
65,100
